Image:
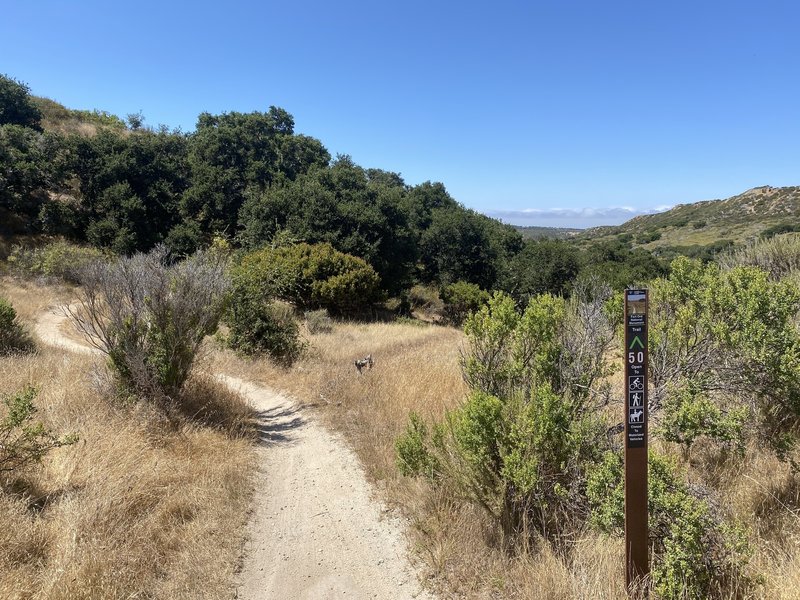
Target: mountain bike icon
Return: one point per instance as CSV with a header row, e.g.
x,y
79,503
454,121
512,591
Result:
x,y
636,383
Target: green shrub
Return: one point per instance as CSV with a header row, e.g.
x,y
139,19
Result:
x,y
520,445
690,414
13,336
461,299
699,224
730,338
413,456
778,229
648,236
60,259
22,440
695,552
319,321
258,325
313,277
682,222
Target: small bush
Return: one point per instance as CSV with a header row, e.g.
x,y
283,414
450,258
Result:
x,y
61,260
413,457
22,440
778,229
13,336
690,414
648,236
257,323
150,318
263,326
522,442
462,299
695,551
729,338
426,299
319,321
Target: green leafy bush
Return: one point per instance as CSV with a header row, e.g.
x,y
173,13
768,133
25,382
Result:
x,y
690,414
413,456
258,325
648,236
313,277
461,299
521,444
730,338
59,259
695,552
13,336
22,440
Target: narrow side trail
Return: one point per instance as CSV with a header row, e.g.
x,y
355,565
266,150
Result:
x,y
315,531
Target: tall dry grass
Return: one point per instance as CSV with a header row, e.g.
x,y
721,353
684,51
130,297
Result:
x,y
416,369
142,506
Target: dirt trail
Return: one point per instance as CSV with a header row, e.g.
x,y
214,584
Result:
x,y
315,533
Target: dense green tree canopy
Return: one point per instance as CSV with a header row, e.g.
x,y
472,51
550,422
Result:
x,y
343,206
250,178
16,105
131,185
232,153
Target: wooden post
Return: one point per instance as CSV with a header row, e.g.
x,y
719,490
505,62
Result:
x,y
637,565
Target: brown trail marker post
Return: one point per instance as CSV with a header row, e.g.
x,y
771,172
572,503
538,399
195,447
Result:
x,y
636,535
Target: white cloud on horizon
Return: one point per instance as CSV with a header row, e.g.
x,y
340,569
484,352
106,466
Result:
x,y
573,217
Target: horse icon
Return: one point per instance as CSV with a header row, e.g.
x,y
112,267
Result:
x,y
636,416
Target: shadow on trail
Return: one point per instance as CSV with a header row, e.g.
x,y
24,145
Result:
x,y
277,424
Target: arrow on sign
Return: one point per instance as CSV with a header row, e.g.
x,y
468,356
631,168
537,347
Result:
x,y
635,341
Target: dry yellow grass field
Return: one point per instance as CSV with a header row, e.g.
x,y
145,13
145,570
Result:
x,y
416,369
141,506
138,505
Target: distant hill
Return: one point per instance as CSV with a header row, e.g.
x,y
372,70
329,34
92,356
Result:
x,y
59,118
760,211
537,233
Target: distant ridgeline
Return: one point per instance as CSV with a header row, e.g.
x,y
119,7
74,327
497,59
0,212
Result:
x,y
94,178
710,226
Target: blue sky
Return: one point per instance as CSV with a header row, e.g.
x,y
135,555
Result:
x,y
551,113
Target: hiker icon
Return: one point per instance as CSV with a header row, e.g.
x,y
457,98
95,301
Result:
x,y
635,399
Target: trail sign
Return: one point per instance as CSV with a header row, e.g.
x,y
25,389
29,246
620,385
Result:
x,y
635,415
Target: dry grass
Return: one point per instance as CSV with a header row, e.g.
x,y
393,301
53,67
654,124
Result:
x,y
141,506
417,369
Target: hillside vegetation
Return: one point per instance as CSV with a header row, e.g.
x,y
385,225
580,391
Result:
x,y
496,428
137,504
759,212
